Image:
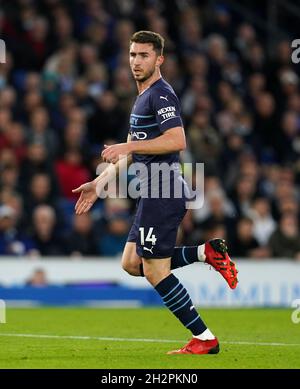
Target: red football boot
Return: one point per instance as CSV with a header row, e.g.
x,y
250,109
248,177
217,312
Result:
x,y
217,256
197,346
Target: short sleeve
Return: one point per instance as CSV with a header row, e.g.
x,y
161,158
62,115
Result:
x,y
167,110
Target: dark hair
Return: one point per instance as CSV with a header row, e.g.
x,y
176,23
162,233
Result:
x,y
149,37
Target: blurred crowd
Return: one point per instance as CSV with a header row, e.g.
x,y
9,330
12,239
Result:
x,y
66,89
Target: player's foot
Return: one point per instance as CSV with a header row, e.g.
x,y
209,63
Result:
x,y
197,346
217,256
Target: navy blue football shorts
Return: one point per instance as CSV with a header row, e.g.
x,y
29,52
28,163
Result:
x,y
155,226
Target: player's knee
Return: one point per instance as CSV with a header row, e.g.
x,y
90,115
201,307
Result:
x,y
149,275
127,266
154,277
130,267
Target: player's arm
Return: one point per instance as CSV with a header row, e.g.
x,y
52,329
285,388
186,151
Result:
x,y
115,166
90,190
170,141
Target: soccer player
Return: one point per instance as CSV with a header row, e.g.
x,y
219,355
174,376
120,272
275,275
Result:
x,y
156,135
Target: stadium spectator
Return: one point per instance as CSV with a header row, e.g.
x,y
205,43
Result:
x,y
285,241
263,222
71,171
108,120
205,143
46,240
12,241
219,213
114,226
82,240
244,244
40,132
9,176
37,279
113,240
243,194
36,162
40,192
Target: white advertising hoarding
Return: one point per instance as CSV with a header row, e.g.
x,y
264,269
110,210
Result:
x,y
267,283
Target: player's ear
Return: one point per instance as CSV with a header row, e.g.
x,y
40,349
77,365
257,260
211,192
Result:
x,y
160,60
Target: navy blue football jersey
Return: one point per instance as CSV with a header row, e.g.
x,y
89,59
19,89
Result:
x,y
160,209
155,111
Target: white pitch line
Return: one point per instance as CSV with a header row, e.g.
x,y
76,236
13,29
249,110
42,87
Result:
x,y
101,338
261,343
90,338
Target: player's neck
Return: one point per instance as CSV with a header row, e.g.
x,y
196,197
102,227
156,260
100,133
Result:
x,y
142,86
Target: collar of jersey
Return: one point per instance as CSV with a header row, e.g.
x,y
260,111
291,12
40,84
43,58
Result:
x,y
150,86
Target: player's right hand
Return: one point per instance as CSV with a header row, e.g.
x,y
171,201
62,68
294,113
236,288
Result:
x,y
87,198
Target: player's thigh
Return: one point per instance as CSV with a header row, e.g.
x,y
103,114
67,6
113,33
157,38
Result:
x,y
130,259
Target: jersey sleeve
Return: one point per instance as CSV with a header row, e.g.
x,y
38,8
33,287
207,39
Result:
x,y
167,110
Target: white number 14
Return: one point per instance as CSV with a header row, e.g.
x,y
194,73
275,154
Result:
x,y
149,238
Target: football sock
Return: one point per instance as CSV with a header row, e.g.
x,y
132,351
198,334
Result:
x,y
186,255
178,301
206,335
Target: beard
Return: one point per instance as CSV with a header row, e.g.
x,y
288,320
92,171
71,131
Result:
x,y
144,77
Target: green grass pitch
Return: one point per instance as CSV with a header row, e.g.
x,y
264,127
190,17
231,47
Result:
x,y
80,338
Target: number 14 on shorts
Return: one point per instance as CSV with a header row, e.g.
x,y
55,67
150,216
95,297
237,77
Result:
x,y
151,238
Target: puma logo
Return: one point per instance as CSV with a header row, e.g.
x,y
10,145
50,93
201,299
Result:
x,y
146,249
163,97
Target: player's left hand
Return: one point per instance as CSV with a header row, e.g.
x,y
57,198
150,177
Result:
x,y
115,152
